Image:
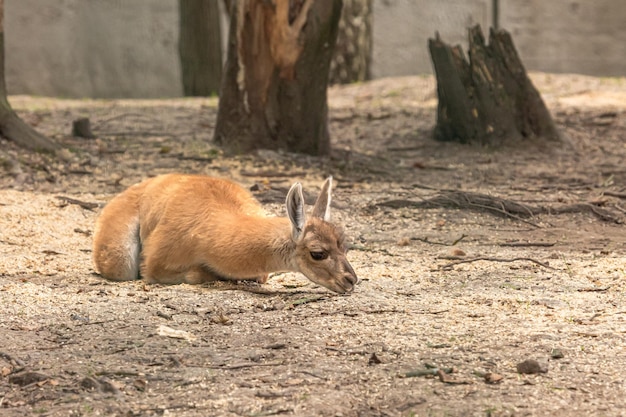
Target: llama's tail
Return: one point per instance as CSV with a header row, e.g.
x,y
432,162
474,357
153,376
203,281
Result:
x,y
116,240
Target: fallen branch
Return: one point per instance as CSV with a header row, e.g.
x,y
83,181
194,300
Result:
x,y
426,240
146,133
12,360
244,365
600,213
468,200
426,371
120,372
102,122
446,379
83,204
594,289
613,194
527,244
497,206
489,259
306,300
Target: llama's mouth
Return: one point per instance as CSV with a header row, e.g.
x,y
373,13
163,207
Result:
x,y
343,285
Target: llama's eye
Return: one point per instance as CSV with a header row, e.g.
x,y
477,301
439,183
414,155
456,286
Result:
x,y
319,256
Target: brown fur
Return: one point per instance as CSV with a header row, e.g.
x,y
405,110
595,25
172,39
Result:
x,y
191,228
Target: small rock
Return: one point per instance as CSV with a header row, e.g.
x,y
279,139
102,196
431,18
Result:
x,y
531,366
276,346
140,384
374,360
405,241
90,383
458,252
556,353
100,384
65,155
493,378
27,378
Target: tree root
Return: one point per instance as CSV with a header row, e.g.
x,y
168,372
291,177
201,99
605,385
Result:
x,y
14,129
498,206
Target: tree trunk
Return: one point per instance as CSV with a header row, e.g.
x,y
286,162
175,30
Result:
x,y
273,93
200,47
489,100
11,126
228,4
353,53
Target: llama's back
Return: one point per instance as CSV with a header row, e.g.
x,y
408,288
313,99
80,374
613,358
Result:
x,y
188,198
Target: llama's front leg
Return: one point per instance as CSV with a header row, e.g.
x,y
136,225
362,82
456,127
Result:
x,y
162,263
154,272
200,274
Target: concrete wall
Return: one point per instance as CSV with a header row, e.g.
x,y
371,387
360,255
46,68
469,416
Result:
x,y
402,28
563,36
587,37
117,48
92,48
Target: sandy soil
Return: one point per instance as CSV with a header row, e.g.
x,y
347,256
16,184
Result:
x,y
431,331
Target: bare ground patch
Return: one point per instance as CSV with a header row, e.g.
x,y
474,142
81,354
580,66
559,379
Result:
x,y
452,298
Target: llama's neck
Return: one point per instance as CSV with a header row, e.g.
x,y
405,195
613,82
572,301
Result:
x,y
279,247
251,246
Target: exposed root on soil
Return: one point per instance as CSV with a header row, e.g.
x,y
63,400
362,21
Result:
x,y
498,206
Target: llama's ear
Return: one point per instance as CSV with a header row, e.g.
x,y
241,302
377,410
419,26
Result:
x,y
295,210
321,209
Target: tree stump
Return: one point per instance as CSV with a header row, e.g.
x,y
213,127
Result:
x,y
273,93
81,128
489,100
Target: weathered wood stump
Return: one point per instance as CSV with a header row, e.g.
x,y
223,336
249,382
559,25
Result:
x,y
489,100
274,90
81,128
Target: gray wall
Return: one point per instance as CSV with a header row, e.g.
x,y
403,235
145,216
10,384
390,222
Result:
x,y
117,48
92,48
402,28
587,37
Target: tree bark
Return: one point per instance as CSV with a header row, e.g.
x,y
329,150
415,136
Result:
x,y
489,100
353,53
200,47
11,126
273,93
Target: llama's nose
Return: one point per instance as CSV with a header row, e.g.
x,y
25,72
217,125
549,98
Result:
x,y
350,275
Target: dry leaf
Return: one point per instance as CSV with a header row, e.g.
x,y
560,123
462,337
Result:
x,y
493,378
175,333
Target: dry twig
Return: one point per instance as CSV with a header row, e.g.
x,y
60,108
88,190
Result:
x,y
614,194
426,240
490,259
83,204
527,244
244,365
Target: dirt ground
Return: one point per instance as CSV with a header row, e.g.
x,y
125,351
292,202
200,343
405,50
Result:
x,y
432,330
